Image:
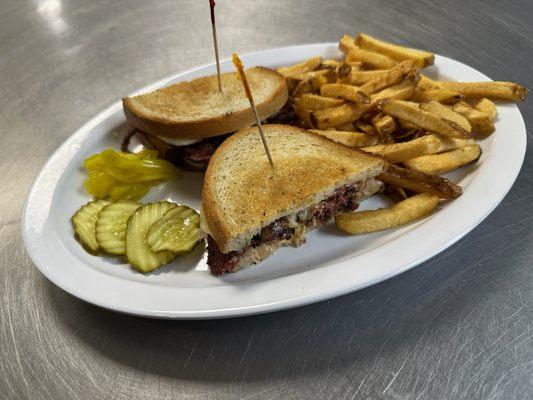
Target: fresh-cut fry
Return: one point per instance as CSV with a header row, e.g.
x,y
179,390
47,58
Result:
x,y
370,58
334,116
419,182
396,194
301,68
311,74
437,164
447,113
394,75
349,127
481,122
346,92
488,107
398,53
412,113
401,91
362,77
444,96
366,128
385,126
351,139
507,91
402,213
302,88
426,83
346,43
330,64
305,117
315,102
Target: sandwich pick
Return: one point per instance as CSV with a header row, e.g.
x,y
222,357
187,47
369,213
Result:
x,y
214,29
240,71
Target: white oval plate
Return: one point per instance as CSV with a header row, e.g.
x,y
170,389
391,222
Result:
x,y
329,264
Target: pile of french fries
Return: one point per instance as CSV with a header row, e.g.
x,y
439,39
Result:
x,y
377,99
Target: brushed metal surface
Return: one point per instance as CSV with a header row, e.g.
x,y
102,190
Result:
x,y
456,327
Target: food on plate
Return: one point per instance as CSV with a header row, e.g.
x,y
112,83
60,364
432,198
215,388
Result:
x,y
408,210
346,92
296,70
436,164
119,175
84,222
142,233
177,231
443,96
249,209
183,121
315,102
506,91
419,182
481,122
369,58
348,138
488,107
111,226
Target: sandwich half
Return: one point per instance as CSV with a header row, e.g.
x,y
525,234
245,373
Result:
x,y
188,120
249,209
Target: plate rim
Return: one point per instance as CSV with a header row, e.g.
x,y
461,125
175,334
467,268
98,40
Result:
x,y
264,307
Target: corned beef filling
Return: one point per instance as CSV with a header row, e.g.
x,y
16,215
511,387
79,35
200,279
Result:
x,y
343,199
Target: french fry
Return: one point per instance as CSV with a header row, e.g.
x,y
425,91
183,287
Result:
x,y
419,182
412,113
426,83
507,91
351,139
346,43
301,68
385,125
310,75
346,92
330,64
436,164
349,127
481,122
400,91
366,128
401,213
313,102
323,79
447,113
393,76
488,107
398,53
356,65
302,88
399,152
306,121
396,194
444,96
362,77
370,58
334,116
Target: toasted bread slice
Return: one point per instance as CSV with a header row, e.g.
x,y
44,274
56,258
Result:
x,y
196,109
243,194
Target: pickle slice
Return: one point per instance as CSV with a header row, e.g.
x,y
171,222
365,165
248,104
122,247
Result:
x,y
111,226
84,222
137,250
178,231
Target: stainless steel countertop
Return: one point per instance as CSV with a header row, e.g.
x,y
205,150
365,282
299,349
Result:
x,y
456,327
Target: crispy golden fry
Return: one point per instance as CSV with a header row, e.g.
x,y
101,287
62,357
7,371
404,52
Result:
x,y
419,182
334,116
507,91
356,65
408,125
362,77
370,58
344,72
396,194
394,76
401,91
313,102
352,139
330,64
426,83
310,75
349,127
447,113
488,107
305,117
301,68
481,122
385,125
398,53
410,112
444,96
405,211
302,88
366,128
346,43
346,92
436,164
323,79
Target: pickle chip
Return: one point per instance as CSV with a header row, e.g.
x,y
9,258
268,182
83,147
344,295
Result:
x,y
111,226
138,252
178,231
84,222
